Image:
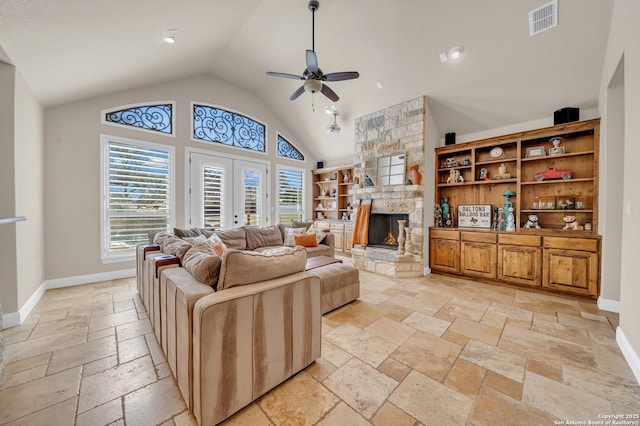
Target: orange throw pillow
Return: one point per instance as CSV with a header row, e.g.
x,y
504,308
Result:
x,y
305,240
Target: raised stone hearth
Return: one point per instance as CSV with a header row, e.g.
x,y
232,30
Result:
x,y
397,129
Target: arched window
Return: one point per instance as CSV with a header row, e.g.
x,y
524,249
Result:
x,y
287,150
157,117
217,125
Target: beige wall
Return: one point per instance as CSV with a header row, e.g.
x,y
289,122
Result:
x,y
623,43
8,277
29,190
72,164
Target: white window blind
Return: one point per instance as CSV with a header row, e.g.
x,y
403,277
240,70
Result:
x,y
138,198
214,202
290,195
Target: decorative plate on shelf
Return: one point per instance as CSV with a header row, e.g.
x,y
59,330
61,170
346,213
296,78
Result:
x,y
496,152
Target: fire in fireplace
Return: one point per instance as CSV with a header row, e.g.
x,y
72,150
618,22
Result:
x,y
383,229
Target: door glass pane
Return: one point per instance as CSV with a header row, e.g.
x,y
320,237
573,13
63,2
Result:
x,y
213,193
252,198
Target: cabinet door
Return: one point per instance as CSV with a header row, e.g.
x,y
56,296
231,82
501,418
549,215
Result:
x,y
572,271
339,240
520,264
444,255
479,259
348,241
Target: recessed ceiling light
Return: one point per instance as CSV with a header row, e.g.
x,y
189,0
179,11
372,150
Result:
x,y
170,37
379,85
455,53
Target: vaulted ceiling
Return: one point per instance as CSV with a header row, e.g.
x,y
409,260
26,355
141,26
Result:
x,y
74,49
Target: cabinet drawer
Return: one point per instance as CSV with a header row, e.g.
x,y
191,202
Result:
x,y
520,240
348,226
585,244
478,237
337,227
445,234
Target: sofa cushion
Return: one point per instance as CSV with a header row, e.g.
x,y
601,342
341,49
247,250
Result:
x,y
182,233
203,263
248,267
233,238
159,236
195,240
305,240
175,246
262,237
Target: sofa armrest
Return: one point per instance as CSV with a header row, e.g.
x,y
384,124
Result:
x,y
330,240
182,291
248,339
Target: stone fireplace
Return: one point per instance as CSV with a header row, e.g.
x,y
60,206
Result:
x,y
397,129
384,228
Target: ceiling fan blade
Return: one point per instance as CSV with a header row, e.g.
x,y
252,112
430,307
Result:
x,y
326,90
284,75
297,93
340,76
312,61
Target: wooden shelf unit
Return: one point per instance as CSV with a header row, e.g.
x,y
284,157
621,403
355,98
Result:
x,y
333,204
549,258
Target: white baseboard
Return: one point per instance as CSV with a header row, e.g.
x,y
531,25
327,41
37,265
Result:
x,y
91,278
629,353
426,271
13,319
609,305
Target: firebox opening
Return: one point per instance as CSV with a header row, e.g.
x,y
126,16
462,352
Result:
x,y
383,229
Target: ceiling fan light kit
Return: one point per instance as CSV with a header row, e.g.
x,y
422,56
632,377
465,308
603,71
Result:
x,y
313,77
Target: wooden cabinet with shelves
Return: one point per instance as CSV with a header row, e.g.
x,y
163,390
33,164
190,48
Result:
x,y
479,163
332,197
548,258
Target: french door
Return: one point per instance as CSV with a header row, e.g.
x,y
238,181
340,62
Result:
x,y
226,193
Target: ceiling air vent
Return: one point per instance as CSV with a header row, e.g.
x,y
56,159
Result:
x,y
543,18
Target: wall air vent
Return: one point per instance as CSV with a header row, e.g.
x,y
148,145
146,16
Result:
x,y
543,18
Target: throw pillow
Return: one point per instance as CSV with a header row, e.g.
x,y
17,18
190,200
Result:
x,y
182,233
306,225
248,267
289,233
203,263
306,240
216,244
320,233
262,237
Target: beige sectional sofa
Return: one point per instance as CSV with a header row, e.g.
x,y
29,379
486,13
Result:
x,y
263,324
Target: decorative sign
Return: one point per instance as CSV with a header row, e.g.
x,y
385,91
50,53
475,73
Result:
x,y
474,216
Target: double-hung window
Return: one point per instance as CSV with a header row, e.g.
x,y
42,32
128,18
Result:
x,y
137,194
290,194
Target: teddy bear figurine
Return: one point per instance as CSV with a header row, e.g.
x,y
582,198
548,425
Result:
x,y
532,222
572,224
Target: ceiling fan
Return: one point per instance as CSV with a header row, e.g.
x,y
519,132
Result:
x,y
313,76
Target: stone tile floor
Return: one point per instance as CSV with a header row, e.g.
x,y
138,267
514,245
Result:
x,y
422,351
